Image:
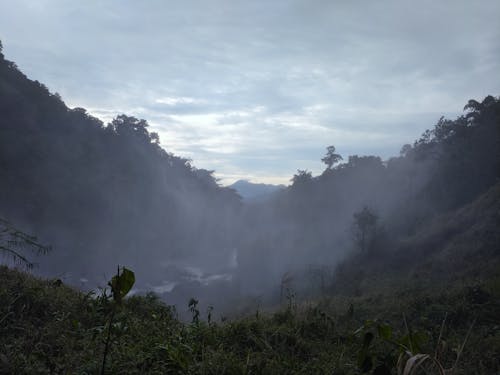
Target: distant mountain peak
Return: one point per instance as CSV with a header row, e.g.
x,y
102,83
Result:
x,y
250,191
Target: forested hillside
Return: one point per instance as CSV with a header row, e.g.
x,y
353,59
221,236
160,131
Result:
x,y
368,206
102,195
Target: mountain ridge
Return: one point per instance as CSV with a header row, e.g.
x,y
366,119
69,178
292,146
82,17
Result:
x,y
251,191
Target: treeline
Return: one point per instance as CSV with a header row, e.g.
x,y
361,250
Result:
x,y
101,194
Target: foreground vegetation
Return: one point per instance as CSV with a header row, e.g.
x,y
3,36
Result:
x,y
46,327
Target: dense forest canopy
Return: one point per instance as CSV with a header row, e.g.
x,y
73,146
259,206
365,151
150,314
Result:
x,y
108,194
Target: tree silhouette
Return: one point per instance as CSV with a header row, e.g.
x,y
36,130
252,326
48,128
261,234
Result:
x,y
331,158
365,227
302,177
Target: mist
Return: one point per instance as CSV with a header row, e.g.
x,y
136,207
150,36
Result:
x,y
104,195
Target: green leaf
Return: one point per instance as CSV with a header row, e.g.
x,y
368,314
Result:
x,y
121,284
384,331
419,339
369,323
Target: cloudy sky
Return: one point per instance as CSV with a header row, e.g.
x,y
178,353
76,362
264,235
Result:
x,y
257,89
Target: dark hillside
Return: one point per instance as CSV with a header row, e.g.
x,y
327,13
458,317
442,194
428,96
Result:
x,y
100,194
385,210
461,246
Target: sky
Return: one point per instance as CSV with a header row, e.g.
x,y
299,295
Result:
x,y
258,89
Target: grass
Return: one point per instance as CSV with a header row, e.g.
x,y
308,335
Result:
x,y
46,327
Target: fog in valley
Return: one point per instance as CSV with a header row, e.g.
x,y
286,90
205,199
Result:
x,y
103,195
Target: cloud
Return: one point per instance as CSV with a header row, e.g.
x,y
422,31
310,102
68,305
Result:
x,y
260,88
173,101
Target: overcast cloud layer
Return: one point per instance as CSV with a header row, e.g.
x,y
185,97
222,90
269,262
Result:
x,y
258,89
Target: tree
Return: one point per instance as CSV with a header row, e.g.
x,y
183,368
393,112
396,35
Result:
x,y
302,177
130,126
331,158
13,242
405,150
364,228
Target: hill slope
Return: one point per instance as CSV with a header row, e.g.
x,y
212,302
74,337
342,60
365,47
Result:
x,y
461,246
100,194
